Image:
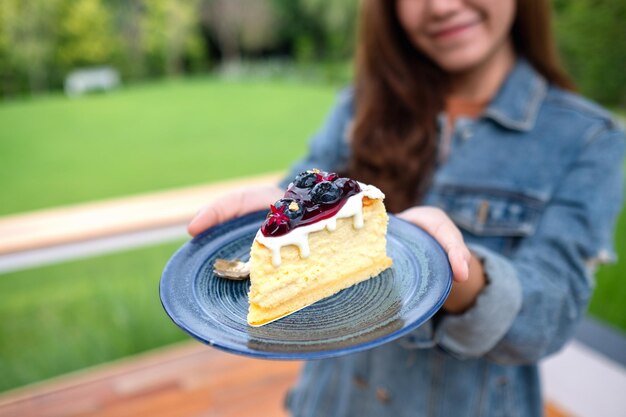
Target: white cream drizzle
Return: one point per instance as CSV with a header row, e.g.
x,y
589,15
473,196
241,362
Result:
x,y
300,235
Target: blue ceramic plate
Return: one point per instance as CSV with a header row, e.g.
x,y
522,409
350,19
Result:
x,y
213,310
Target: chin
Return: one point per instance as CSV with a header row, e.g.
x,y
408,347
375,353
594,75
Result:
x,y
462,60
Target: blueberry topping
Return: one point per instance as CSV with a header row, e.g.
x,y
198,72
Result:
x,y
325,192
283,202
314,195
293,209
305,180
331,177
276,222
274,228
348,185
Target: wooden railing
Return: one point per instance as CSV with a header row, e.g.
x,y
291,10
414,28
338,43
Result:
x,y
83,222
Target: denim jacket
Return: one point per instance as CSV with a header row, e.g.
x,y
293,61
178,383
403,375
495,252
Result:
x,y
535,185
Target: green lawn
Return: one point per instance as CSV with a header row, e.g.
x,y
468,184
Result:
x,y
65,317
55,150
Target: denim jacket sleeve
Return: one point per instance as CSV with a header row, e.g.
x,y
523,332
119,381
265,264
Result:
x,y
533,300
328,148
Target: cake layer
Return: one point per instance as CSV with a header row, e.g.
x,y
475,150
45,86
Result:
x,y
258,316
337,259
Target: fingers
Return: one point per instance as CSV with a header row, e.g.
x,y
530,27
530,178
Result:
x,y
451,239
197,224
221,210
236,203
436,223
458,263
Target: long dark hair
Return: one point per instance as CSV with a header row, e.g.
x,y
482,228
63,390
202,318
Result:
x,y
399,92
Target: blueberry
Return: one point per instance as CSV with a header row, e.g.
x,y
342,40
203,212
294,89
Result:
x,y
325,192
305,180
271,227
283,202
293,208
348,185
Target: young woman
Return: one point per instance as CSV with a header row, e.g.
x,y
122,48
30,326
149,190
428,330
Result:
x,y
462,115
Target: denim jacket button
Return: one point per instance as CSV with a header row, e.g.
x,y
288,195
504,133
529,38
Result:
x,y
360,382
383,395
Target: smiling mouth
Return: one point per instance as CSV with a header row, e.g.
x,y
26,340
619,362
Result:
x,y
453,30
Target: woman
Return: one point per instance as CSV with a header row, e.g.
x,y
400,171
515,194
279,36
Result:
x,y
462,115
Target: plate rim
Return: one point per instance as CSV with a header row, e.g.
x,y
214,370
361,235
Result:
x,y
308,355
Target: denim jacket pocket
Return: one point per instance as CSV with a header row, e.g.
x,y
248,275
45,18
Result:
x,y
497,218
490,211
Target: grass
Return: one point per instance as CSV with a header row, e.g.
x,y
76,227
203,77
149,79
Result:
x,y
64,317
56,150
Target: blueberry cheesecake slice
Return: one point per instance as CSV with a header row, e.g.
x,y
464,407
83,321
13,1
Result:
x,y
326,234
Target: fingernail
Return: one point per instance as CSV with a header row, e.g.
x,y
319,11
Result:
x,y
192,223
466,270
198,213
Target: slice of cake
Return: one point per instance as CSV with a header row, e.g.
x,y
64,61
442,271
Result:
x,y
326,234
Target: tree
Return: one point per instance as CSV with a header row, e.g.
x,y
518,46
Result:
x,y
318,29
86,35
239,25
27,41
170,33
338,19
126,19
592,38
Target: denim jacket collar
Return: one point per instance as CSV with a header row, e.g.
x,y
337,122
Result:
x,y
517,103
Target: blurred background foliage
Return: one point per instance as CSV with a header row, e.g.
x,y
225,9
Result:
x,y
42,40
592,40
